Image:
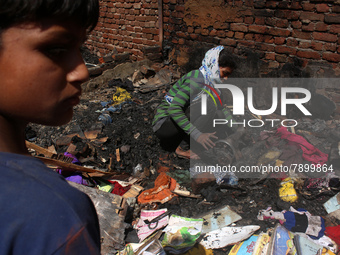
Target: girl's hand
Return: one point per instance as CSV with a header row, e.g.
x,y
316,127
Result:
x,y
205,140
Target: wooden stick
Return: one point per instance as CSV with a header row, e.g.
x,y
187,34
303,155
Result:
x,y
70,166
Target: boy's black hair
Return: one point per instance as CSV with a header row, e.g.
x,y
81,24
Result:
x,y
225,59
84,12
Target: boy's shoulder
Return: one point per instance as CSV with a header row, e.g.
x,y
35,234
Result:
x,y
30,177
38,200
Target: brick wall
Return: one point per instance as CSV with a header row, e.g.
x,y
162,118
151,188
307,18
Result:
x,y
305,33
126,26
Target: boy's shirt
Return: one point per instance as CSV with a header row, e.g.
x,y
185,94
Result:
x,y
34,200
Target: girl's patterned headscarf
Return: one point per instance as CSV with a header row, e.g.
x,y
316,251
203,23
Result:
x,y
210,67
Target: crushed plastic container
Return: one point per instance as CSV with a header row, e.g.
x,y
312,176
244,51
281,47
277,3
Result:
x,y
105,118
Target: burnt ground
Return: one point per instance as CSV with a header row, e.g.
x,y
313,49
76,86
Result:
x,y
131,128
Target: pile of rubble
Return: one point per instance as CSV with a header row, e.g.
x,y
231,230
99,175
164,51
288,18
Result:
x,y
151,202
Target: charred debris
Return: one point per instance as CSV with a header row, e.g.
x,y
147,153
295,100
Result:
x,y
109,151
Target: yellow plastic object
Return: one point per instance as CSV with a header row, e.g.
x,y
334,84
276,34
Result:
x,y
120,96
287,191
325,251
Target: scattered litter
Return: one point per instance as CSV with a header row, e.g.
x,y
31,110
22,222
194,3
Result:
x,y
219,218
297,221
245,247
105,118
310,153
287,191
304,245
227,236
182,233
164,184
145,229
120,96
281,242
332,206
262,243
333,233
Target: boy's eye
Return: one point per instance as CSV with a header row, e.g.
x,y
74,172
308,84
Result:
x,y
55,51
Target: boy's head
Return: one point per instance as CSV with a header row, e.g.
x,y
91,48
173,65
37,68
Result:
x,y
41,67
84,12
226,64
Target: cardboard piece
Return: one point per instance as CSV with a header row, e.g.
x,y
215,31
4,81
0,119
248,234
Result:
x,y
219,219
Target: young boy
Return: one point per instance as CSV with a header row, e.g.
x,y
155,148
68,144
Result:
x,y
41,72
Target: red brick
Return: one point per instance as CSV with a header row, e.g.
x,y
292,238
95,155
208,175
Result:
x,y
279,40
260,20
270,56
214,32
302,35
322,8
308,54
248,20
311,16
278,32
330,47
180,8
316,46
285,50
228,42
181,41
205,32
308,28
292,42
281,58
305,44
296,24
294,15
178,34
247,44
221,33
239,35
334,29
321,27
230,34
193,36
332,18
221,25
271,22
238,27
249,37
268,39
283,23
308,6
333,57
258,38
295,6
257,29
271,4
336,8
327,37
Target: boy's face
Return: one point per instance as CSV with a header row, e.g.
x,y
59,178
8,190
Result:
x,y
41,71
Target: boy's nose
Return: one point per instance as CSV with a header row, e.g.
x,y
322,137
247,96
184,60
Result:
x,y
79,72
